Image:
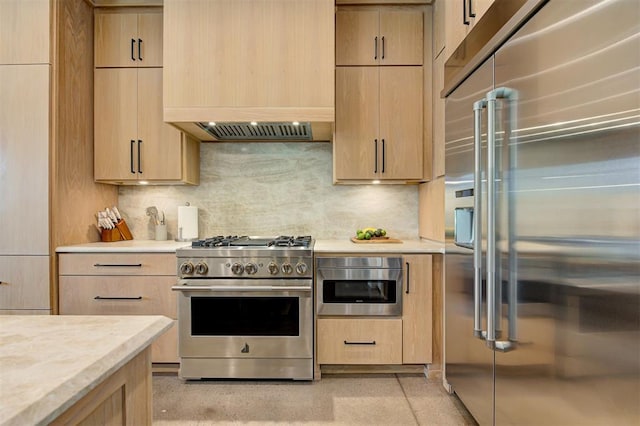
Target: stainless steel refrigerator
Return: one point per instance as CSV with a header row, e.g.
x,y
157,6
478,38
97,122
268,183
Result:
x,y
542,275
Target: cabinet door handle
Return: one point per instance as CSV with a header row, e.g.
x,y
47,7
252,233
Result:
x,y
408,278
375,48
140,45
383,155
133,145
471,13
382,47
133,42
117,298
346,342
465,21
118,265
139,154
375,158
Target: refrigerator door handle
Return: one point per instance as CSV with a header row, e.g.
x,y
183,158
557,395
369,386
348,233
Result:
x,y
512,315
476,233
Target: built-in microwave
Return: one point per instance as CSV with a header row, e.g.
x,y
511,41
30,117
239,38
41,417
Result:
x,y
359,286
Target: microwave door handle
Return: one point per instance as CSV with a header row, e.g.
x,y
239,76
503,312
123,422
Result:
x,y
477,219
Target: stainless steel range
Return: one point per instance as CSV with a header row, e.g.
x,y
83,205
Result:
x,y
245,308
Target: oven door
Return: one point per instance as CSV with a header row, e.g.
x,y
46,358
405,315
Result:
x,y
245,318
359,291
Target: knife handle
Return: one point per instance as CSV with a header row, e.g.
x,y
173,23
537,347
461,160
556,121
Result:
x,y
133,143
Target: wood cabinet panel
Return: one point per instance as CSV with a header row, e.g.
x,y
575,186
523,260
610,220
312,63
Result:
x,y
379,36
150,34
24,283
116,124
165,348
113,295
359,341
123,398
401,122
131,141
417,310
438,27
128,39
461,17
379,127
281,56
24,32
24,159
438,117
160,149
356,33
357,109
401,37
117,264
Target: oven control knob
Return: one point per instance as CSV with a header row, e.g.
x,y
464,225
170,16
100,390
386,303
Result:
x,y
301,268
201,268
186,268
287,268
250,268
237,268
273,268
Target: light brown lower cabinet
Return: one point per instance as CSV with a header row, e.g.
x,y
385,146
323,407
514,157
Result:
x,y
122,284
359,341
406,339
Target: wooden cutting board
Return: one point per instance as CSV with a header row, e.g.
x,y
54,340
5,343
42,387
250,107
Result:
x,y
376,240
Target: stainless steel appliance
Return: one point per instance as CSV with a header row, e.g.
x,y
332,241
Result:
x,y
359,285
542,287
245,308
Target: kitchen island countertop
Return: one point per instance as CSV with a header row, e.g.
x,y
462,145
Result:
x,y
48,363
406,246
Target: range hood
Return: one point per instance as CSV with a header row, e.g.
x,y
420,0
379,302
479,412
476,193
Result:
x,y
251,74
277,131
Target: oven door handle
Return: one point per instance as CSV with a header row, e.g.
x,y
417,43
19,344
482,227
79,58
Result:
x,y
202,288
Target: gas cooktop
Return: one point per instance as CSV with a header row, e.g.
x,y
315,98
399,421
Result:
x,y
257,242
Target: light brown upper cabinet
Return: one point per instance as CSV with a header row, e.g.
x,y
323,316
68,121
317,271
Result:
x,y
131,141
460,17
379,124
376,36
127,38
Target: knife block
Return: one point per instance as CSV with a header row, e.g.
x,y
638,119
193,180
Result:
x,y
120,233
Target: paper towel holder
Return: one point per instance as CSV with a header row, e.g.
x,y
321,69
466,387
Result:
x,y
180,238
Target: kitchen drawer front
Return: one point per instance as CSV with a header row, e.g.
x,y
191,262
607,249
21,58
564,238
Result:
x,y
351,341
165,348
81,295
118,264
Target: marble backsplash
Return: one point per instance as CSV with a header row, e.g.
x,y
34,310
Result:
x,y
273,188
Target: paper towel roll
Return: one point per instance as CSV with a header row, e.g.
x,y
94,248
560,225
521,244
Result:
x,y
187,222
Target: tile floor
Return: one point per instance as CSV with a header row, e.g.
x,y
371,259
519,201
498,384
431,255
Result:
x,y
377,399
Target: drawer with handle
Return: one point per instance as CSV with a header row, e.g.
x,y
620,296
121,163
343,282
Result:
x,y
359,341
116,296
117,264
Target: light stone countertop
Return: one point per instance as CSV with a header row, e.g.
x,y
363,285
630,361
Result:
x,y
131,246
407,246
321,246
47,363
